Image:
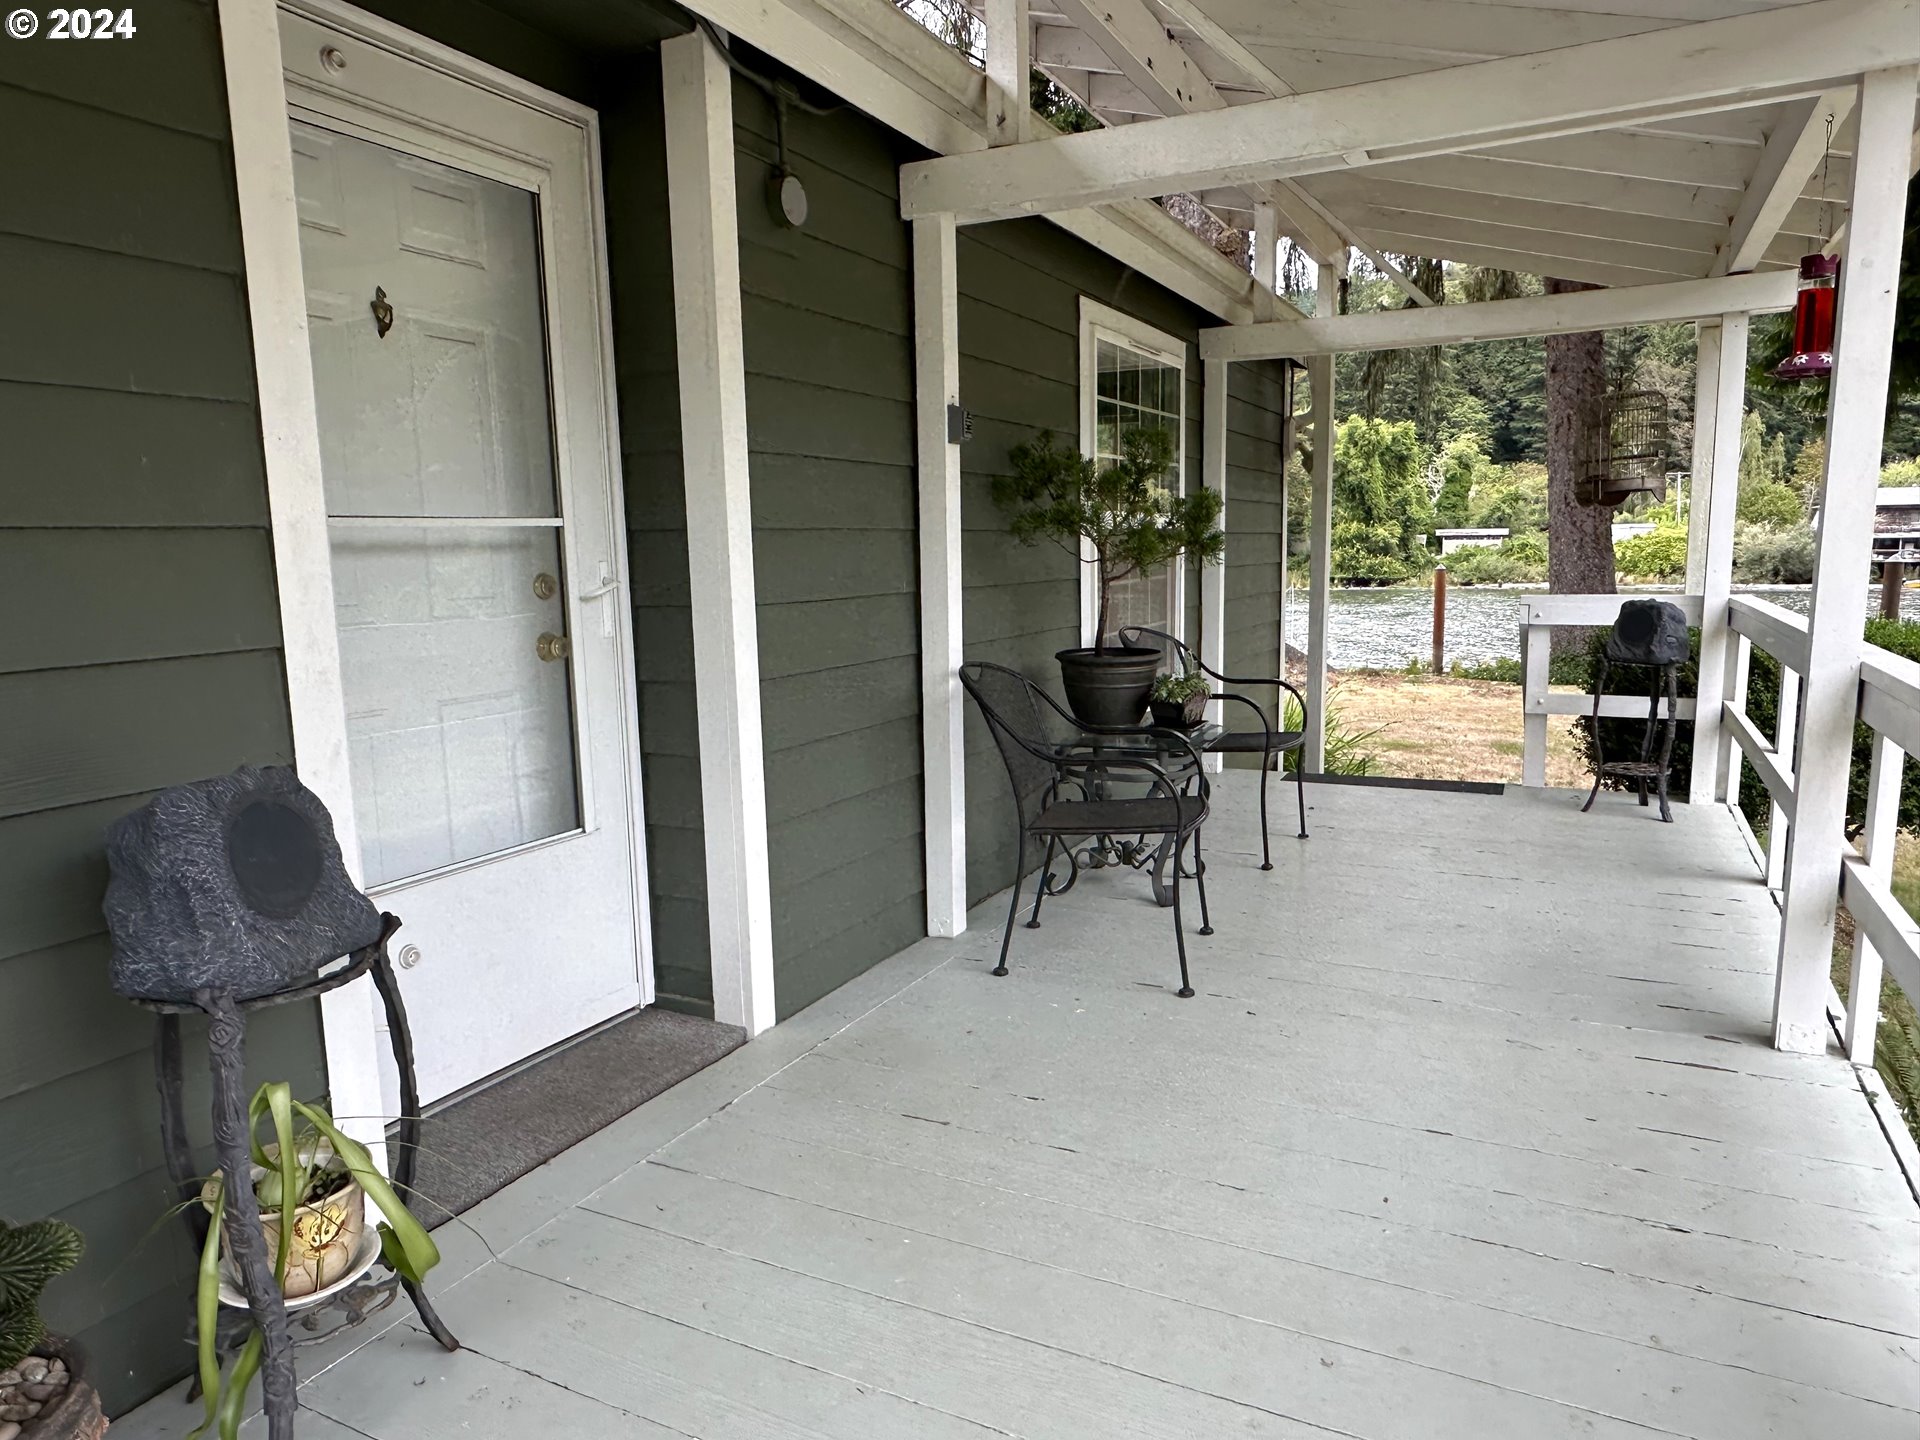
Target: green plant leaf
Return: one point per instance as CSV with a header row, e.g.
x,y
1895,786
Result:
x,y
234,1400
277,1098
206,1310
411,1250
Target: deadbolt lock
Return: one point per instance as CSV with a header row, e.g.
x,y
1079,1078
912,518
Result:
x,y
545,587
553,647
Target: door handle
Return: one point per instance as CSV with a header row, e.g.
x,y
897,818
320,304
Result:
x,y
552,647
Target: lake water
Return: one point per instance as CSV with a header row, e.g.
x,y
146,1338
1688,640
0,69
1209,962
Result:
x,y
1385,627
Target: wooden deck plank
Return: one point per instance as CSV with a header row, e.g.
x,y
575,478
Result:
x,y
692,1382
1163,1256
1048,1162
1339,1387
980,1372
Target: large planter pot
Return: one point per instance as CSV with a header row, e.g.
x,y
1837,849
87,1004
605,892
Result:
x,y
72,1413
1109,687
329,1236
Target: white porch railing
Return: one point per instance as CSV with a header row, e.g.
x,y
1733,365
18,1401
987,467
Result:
x,y
1884,935
1539,614
1886,938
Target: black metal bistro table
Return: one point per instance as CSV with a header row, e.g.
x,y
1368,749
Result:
x,y
1103,851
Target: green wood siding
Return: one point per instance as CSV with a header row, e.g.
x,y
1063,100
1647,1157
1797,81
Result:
x,y
1020,284
829,345
142,640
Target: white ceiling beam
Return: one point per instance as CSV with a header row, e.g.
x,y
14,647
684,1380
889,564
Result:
x,y
1227,45
1548,245
1717,64
1064,47
1402,281
1523,261
884,62
1501,319
1793,153
1448,31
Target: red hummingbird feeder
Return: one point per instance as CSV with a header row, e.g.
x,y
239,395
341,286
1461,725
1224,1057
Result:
x,y
1813,309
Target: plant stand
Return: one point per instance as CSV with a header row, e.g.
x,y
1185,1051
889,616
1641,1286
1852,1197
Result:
x,y
226,1045
1645,771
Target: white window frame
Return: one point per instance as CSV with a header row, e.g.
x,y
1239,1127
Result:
x,y
1102,322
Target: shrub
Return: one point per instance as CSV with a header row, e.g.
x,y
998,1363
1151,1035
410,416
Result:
x,y
1498,564
1347,752
1660,554
1529,549
1769,503
1503,669
1773,557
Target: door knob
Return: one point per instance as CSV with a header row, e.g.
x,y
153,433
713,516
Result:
x,y
553,647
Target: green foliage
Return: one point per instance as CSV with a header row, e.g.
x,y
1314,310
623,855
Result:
x,y
1768,503
1508,563
1380,503
1763,556
1659,555
405,1245
1125,511
1463,464
1503,669
1178,689
1515,499
30,1256
1899,472
1347,752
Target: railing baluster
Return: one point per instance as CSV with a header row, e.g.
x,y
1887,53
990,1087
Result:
x,y
1882,832
1786,725
1534,653
1739,662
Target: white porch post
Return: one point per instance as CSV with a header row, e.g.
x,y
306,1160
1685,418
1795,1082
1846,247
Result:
x,y
936,358
713,434
1320,557
1856,416
1726,402
1706,394
1009,62
1213,578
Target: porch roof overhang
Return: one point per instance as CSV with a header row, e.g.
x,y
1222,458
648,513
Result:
x,y
1558,138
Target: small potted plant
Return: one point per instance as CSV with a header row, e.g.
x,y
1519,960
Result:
x,y
1132,522
44,1390
1179,702
312,1182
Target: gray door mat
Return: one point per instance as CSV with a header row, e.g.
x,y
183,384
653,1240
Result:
x,y
487,1140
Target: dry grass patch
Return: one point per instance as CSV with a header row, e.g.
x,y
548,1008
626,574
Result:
x,y
1447,729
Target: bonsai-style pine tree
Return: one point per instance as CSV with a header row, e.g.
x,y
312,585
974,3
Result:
x,y
30,1256
1125,511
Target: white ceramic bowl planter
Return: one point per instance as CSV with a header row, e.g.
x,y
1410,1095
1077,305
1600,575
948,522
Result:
x,y
331,1248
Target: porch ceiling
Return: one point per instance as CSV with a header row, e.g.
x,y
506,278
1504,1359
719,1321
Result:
x,y
1684,198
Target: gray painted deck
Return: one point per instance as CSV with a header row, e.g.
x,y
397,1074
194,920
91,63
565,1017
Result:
x,y
1450,1143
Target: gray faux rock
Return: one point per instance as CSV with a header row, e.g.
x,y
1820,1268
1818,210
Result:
x,y
9,1430
33,1368
233,884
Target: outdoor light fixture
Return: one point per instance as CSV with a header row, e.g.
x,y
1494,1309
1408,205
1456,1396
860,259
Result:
x,y
1812,357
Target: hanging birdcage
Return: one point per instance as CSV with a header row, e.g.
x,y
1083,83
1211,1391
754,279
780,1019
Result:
x,y
1626,448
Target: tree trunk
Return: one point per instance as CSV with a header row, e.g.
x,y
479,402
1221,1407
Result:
x,y
1579,537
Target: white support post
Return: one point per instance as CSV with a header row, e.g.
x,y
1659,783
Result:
x,y
1213,578
1536,652
1009,63
1883,826
1266,256
1856,415
1779,825
1706,394
1320,559
713,432
1716,583
936,340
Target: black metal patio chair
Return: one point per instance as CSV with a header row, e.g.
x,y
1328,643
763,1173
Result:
x,y
1269,742
1045,748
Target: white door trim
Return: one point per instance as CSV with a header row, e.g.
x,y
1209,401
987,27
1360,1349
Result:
x,y
1097,321
270,234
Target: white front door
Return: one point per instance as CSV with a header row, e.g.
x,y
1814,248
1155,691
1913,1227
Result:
x,y
454,308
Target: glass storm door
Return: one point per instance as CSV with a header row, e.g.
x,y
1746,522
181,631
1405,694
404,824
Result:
x,y
480,662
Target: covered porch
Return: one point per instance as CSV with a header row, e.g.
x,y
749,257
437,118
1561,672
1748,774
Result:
x,y
1474,1128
